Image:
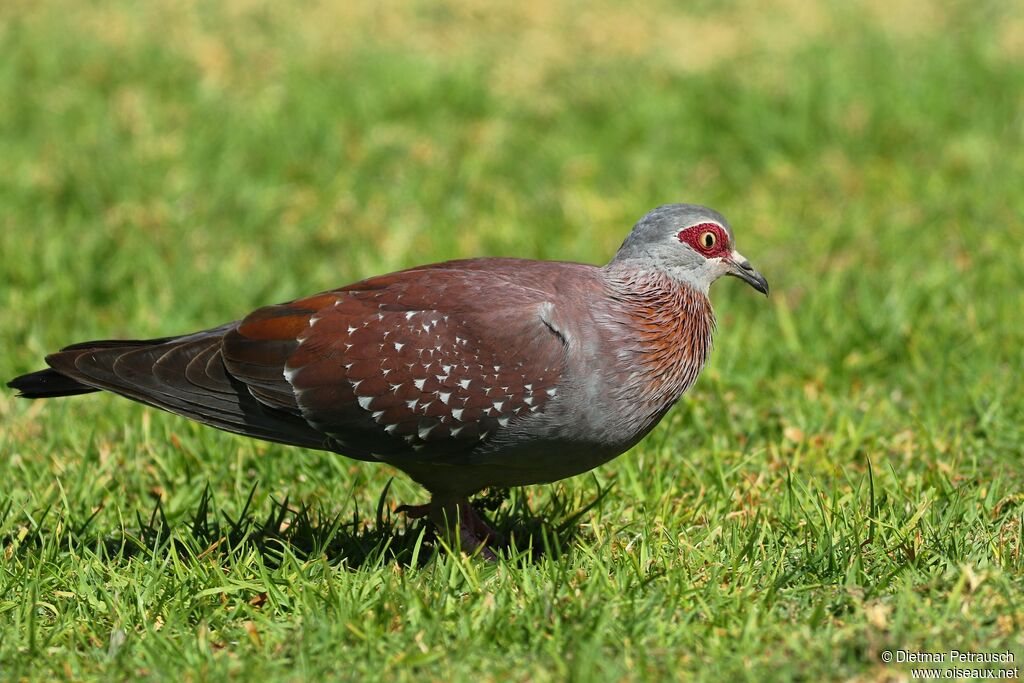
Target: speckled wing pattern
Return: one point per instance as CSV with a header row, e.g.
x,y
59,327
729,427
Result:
x,y
422,363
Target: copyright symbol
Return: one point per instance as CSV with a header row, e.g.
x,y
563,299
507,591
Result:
x,y
886,656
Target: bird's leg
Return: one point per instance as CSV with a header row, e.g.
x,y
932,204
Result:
x,y
479,527
473,532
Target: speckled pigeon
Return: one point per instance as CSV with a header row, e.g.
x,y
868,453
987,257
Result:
x,y
488,372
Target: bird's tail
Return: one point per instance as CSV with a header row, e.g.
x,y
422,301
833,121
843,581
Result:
x,y
182,375
52,383
48,383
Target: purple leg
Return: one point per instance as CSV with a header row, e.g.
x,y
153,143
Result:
x,y
473,532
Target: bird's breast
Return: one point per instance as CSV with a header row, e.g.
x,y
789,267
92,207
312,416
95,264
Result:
x,y
655,338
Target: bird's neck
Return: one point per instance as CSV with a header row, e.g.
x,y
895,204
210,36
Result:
x,y
664,329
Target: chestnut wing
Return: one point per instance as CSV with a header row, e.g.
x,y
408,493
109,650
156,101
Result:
x,y
424,363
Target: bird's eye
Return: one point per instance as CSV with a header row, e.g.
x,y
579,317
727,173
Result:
x,y
708,239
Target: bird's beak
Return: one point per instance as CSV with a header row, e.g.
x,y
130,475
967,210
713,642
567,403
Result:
x,y
740,267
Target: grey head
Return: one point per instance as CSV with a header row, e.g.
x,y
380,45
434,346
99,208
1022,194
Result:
x,y
690,243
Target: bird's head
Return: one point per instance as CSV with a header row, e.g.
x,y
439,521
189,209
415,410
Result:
x,y
690,243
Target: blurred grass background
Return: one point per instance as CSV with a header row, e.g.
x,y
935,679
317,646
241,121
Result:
x,y
167,166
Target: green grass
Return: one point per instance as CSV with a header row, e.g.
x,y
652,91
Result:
x,y
846,477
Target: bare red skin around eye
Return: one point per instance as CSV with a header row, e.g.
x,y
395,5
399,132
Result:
x,y
691,236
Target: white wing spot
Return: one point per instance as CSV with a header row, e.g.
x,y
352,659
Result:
x,y
464,383
457,413
444,396
398,346
503,421
365,401
419,383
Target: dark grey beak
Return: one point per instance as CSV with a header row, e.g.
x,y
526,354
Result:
x,y
741,268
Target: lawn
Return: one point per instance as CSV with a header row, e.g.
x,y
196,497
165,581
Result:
x,y
845,479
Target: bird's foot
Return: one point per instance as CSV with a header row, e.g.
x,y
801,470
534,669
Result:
x,y
414,511
474,534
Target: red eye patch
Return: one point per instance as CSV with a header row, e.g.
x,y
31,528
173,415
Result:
x,y
708,239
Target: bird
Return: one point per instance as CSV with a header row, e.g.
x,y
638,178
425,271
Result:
x,y
465,375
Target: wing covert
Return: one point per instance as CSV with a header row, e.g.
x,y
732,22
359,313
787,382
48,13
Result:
x,y
412,363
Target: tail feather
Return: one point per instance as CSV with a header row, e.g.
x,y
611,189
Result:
x,y
52,383
48,384
183,375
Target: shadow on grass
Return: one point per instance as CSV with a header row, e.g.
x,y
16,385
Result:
x,y
306,532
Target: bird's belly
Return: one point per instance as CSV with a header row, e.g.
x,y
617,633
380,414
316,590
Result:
x,y
544,463
561,447
570,438
540,463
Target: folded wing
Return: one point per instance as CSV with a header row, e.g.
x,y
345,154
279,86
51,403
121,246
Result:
x,y
422,364
419,363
